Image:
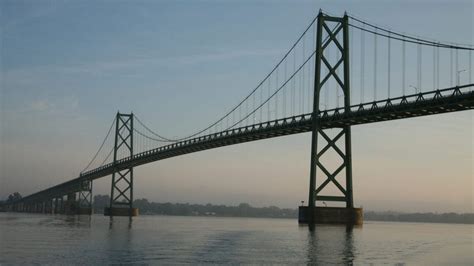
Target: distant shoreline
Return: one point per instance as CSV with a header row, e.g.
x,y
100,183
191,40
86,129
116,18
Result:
x,y
246,210
294,218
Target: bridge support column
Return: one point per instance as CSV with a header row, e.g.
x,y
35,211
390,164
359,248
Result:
x,y
63,206
46,205
56,209
331,28
85,198
121,192
70,206
60,205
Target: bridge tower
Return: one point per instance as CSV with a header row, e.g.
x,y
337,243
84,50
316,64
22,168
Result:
x,y
85,198
121,192
333,30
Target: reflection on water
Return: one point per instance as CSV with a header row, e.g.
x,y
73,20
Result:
x,y
330,244
120,221
46,239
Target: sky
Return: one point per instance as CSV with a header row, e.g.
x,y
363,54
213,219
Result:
x,y
66,68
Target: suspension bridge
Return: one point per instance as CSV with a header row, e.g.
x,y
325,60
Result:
x,y
340,72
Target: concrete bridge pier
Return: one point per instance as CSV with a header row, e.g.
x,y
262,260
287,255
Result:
x,y
330,215
56,207
61,208
70,206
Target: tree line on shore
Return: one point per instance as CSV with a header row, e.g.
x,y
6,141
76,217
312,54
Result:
x,y
246,210
186,209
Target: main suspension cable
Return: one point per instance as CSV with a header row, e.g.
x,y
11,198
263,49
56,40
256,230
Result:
x,y
407,38
101,145
253,91
283,85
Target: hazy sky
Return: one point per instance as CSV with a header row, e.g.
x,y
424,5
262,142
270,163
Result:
x,y
68,66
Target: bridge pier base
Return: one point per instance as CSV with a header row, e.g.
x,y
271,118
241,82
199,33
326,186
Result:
x,y
330,215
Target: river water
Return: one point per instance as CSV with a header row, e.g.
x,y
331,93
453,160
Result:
x,y
58,239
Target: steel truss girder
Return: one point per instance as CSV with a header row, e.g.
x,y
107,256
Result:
x,y
120,195
317,127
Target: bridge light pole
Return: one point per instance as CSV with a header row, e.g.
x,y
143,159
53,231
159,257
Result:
x,y
458,76
416,89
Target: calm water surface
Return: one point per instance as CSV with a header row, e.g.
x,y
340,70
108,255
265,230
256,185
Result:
x,y
50,239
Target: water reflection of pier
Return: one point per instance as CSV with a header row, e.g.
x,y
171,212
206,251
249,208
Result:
x,y
330,244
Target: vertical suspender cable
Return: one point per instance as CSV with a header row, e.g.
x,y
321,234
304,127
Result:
x,y
315,33
328,83
253,108
276,95
310,71
388,65
246,112
418,71
362,64
375,65
261,109
434,67
240,114
300,93
437,67
293,89
421,67
403,66
351,51
336,84
457,69
451,66
284,91
269,93
233,117
470,67
303,76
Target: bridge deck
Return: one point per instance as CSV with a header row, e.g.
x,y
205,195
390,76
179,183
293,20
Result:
x,y
422,104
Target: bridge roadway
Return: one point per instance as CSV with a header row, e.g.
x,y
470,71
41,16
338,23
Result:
x,y
421,104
